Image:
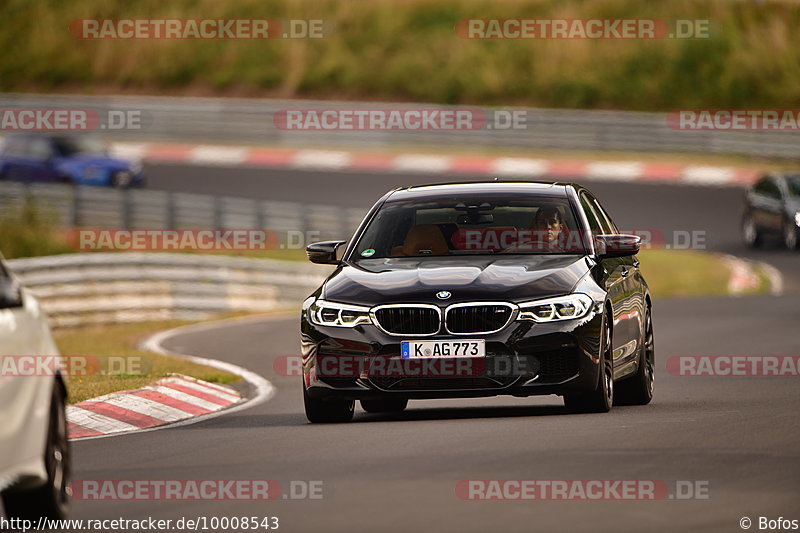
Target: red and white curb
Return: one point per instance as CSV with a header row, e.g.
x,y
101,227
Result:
x,y
520,167
744,278
202,400
165,401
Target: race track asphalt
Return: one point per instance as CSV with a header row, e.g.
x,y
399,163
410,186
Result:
x,y
399,473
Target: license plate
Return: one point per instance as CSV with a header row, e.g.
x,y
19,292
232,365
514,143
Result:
x,y
454,348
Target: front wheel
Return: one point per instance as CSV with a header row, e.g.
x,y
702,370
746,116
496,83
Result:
x,y
790,235
638,389
51,500
601,399
327,410
750,235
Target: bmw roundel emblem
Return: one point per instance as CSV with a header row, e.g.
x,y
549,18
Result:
x,y
443,295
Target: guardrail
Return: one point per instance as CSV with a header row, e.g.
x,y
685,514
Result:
x,y
250,121
106,208
102,288
94,288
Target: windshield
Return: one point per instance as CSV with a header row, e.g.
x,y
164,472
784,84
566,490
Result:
x,y
83,145
794,185
471,225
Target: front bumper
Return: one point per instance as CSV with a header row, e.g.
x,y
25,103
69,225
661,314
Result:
x,y
523,359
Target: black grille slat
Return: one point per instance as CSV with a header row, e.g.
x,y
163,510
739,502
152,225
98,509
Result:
x,y
408,320
477,318
557,365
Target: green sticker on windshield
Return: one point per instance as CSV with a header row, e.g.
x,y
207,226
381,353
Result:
x,y
368,252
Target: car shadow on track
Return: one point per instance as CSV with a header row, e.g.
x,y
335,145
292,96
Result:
x,y
460,413
245,420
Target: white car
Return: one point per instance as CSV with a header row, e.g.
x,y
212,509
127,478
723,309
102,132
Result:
x,y
34,451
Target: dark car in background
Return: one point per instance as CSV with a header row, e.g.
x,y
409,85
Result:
x,y
772,210
478,289
76,159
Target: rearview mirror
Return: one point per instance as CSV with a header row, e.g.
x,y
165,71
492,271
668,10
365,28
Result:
x,y
617,245
324,253
10,294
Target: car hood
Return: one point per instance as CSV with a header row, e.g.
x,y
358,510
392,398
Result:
x,y
414,280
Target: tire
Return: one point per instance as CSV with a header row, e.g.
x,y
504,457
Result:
x,y
790,237
638,389
384,405
327,410
750,235
601,399
121,180
51,500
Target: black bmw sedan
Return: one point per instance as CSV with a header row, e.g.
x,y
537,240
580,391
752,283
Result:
x,y
478,289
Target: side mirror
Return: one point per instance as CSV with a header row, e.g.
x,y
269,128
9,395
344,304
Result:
x,y
10,294
617,245
324,253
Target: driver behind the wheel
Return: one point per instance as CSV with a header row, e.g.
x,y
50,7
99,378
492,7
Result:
x,y
547,230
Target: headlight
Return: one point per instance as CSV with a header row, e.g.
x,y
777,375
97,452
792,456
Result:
x,y
552,309
136,167
324,313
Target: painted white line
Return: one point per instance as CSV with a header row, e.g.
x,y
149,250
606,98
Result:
x,y
188,398
150,408
421,163
614,170
97,422
707,175
323,159
519,166
218,155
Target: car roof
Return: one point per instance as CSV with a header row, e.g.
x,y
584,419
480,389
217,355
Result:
x,y
530,188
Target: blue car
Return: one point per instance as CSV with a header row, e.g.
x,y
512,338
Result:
x,y
75,159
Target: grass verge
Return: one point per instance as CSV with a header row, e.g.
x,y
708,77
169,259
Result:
x,y
125,366
691,273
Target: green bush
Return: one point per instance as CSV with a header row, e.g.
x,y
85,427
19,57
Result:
x,y
388,50
30,233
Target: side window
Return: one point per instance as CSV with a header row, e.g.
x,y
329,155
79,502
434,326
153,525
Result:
x,y
40,149
768,187
594,222
14,147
